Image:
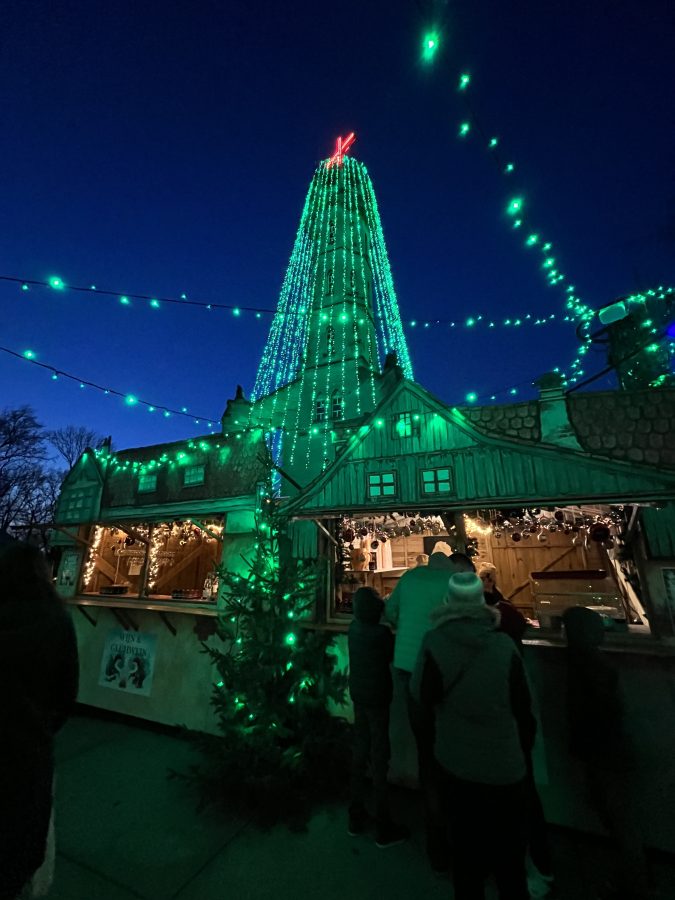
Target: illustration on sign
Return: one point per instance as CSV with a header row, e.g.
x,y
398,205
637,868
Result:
x,y
128,661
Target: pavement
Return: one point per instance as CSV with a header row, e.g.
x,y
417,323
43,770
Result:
x,y
124,830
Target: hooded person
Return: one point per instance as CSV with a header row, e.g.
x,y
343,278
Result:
x,y
39,674
470,680
597,739
371,649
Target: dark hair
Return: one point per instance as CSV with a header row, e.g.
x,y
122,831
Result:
x,y
24,574
462,563
367,605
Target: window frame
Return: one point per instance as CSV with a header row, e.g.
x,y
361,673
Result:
x,y
414,426
436,481
201,466
381,485
147,490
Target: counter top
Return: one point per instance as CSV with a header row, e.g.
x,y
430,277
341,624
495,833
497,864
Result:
x,y
120,601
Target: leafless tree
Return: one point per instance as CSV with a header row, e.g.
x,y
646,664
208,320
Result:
x,y
72,440
22,453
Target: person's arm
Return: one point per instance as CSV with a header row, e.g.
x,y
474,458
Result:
x,y
521,705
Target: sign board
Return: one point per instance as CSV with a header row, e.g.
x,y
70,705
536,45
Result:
x,y
128,661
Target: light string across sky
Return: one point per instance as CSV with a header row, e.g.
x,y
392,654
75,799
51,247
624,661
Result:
x,y
471,127
130,400
56,283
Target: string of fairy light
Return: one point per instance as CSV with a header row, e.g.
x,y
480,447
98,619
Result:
x,y
516,213
327,289
126,300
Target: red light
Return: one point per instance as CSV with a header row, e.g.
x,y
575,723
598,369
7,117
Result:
x,y
342,145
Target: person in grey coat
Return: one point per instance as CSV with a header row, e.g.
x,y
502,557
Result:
x,y
470,678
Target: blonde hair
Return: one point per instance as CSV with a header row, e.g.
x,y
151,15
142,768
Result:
x,y
487,568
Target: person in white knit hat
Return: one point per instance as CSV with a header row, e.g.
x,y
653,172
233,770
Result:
x,y
470,678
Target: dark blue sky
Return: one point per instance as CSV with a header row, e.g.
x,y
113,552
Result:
x,y
165,147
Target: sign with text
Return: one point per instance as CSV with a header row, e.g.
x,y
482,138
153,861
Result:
x,y
128,661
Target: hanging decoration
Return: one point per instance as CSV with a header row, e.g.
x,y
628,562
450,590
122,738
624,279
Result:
x,y
125,298
129,399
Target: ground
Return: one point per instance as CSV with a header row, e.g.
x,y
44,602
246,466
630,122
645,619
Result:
x,y
124,831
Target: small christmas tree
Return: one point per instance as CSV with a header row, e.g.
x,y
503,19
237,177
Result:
x,y
280,750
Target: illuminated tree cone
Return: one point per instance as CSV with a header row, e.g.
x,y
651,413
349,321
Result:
x,y
280,751
336,320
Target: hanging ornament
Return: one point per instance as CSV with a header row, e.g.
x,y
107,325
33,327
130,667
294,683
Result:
x,y
405,531
599,532
552,527
559,515
348,535
363,532
536,511
374,545
526,535
534,529
516,536
542,537
497,534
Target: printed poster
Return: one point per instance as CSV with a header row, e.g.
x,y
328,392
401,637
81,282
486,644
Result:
x,y
128,661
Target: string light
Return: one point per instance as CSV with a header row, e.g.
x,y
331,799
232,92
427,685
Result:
x,y
125,298
130,399
335,260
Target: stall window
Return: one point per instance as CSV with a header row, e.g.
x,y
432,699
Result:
x,y
147,483
75,505
382,484
320,411
193,475
406,425
436,481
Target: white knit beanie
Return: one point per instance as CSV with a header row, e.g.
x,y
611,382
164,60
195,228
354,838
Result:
x,y
465,589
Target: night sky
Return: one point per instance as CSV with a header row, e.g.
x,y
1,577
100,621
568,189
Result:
x,y
166,148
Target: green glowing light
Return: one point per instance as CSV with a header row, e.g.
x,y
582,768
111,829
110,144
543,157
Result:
x,y
379,422
470,322
130,399
290,640
471,397
430,45
56,283
493,143
236,311
155,304
508,168
125,301
464,81
29,354
24,287
532,240
464,128
515,206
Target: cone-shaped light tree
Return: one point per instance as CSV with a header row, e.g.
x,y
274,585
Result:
x,y
337,318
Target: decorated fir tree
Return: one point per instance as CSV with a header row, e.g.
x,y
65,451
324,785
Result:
x,y
280,749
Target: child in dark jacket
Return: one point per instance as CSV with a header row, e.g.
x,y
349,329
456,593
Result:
x,y
371,650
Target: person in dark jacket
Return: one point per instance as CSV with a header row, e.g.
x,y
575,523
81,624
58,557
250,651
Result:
x,y
511,620
39,675
596,735
371,650
471,678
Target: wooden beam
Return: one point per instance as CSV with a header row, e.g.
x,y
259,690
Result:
x,y
323,528
175,570
74,537
525,584
205,528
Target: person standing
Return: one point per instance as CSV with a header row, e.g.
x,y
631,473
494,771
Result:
x,y
470,678
408,610
39,676
371,649
512,621
597,738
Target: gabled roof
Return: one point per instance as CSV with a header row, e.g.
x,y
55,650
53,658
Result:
x,y
496,453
